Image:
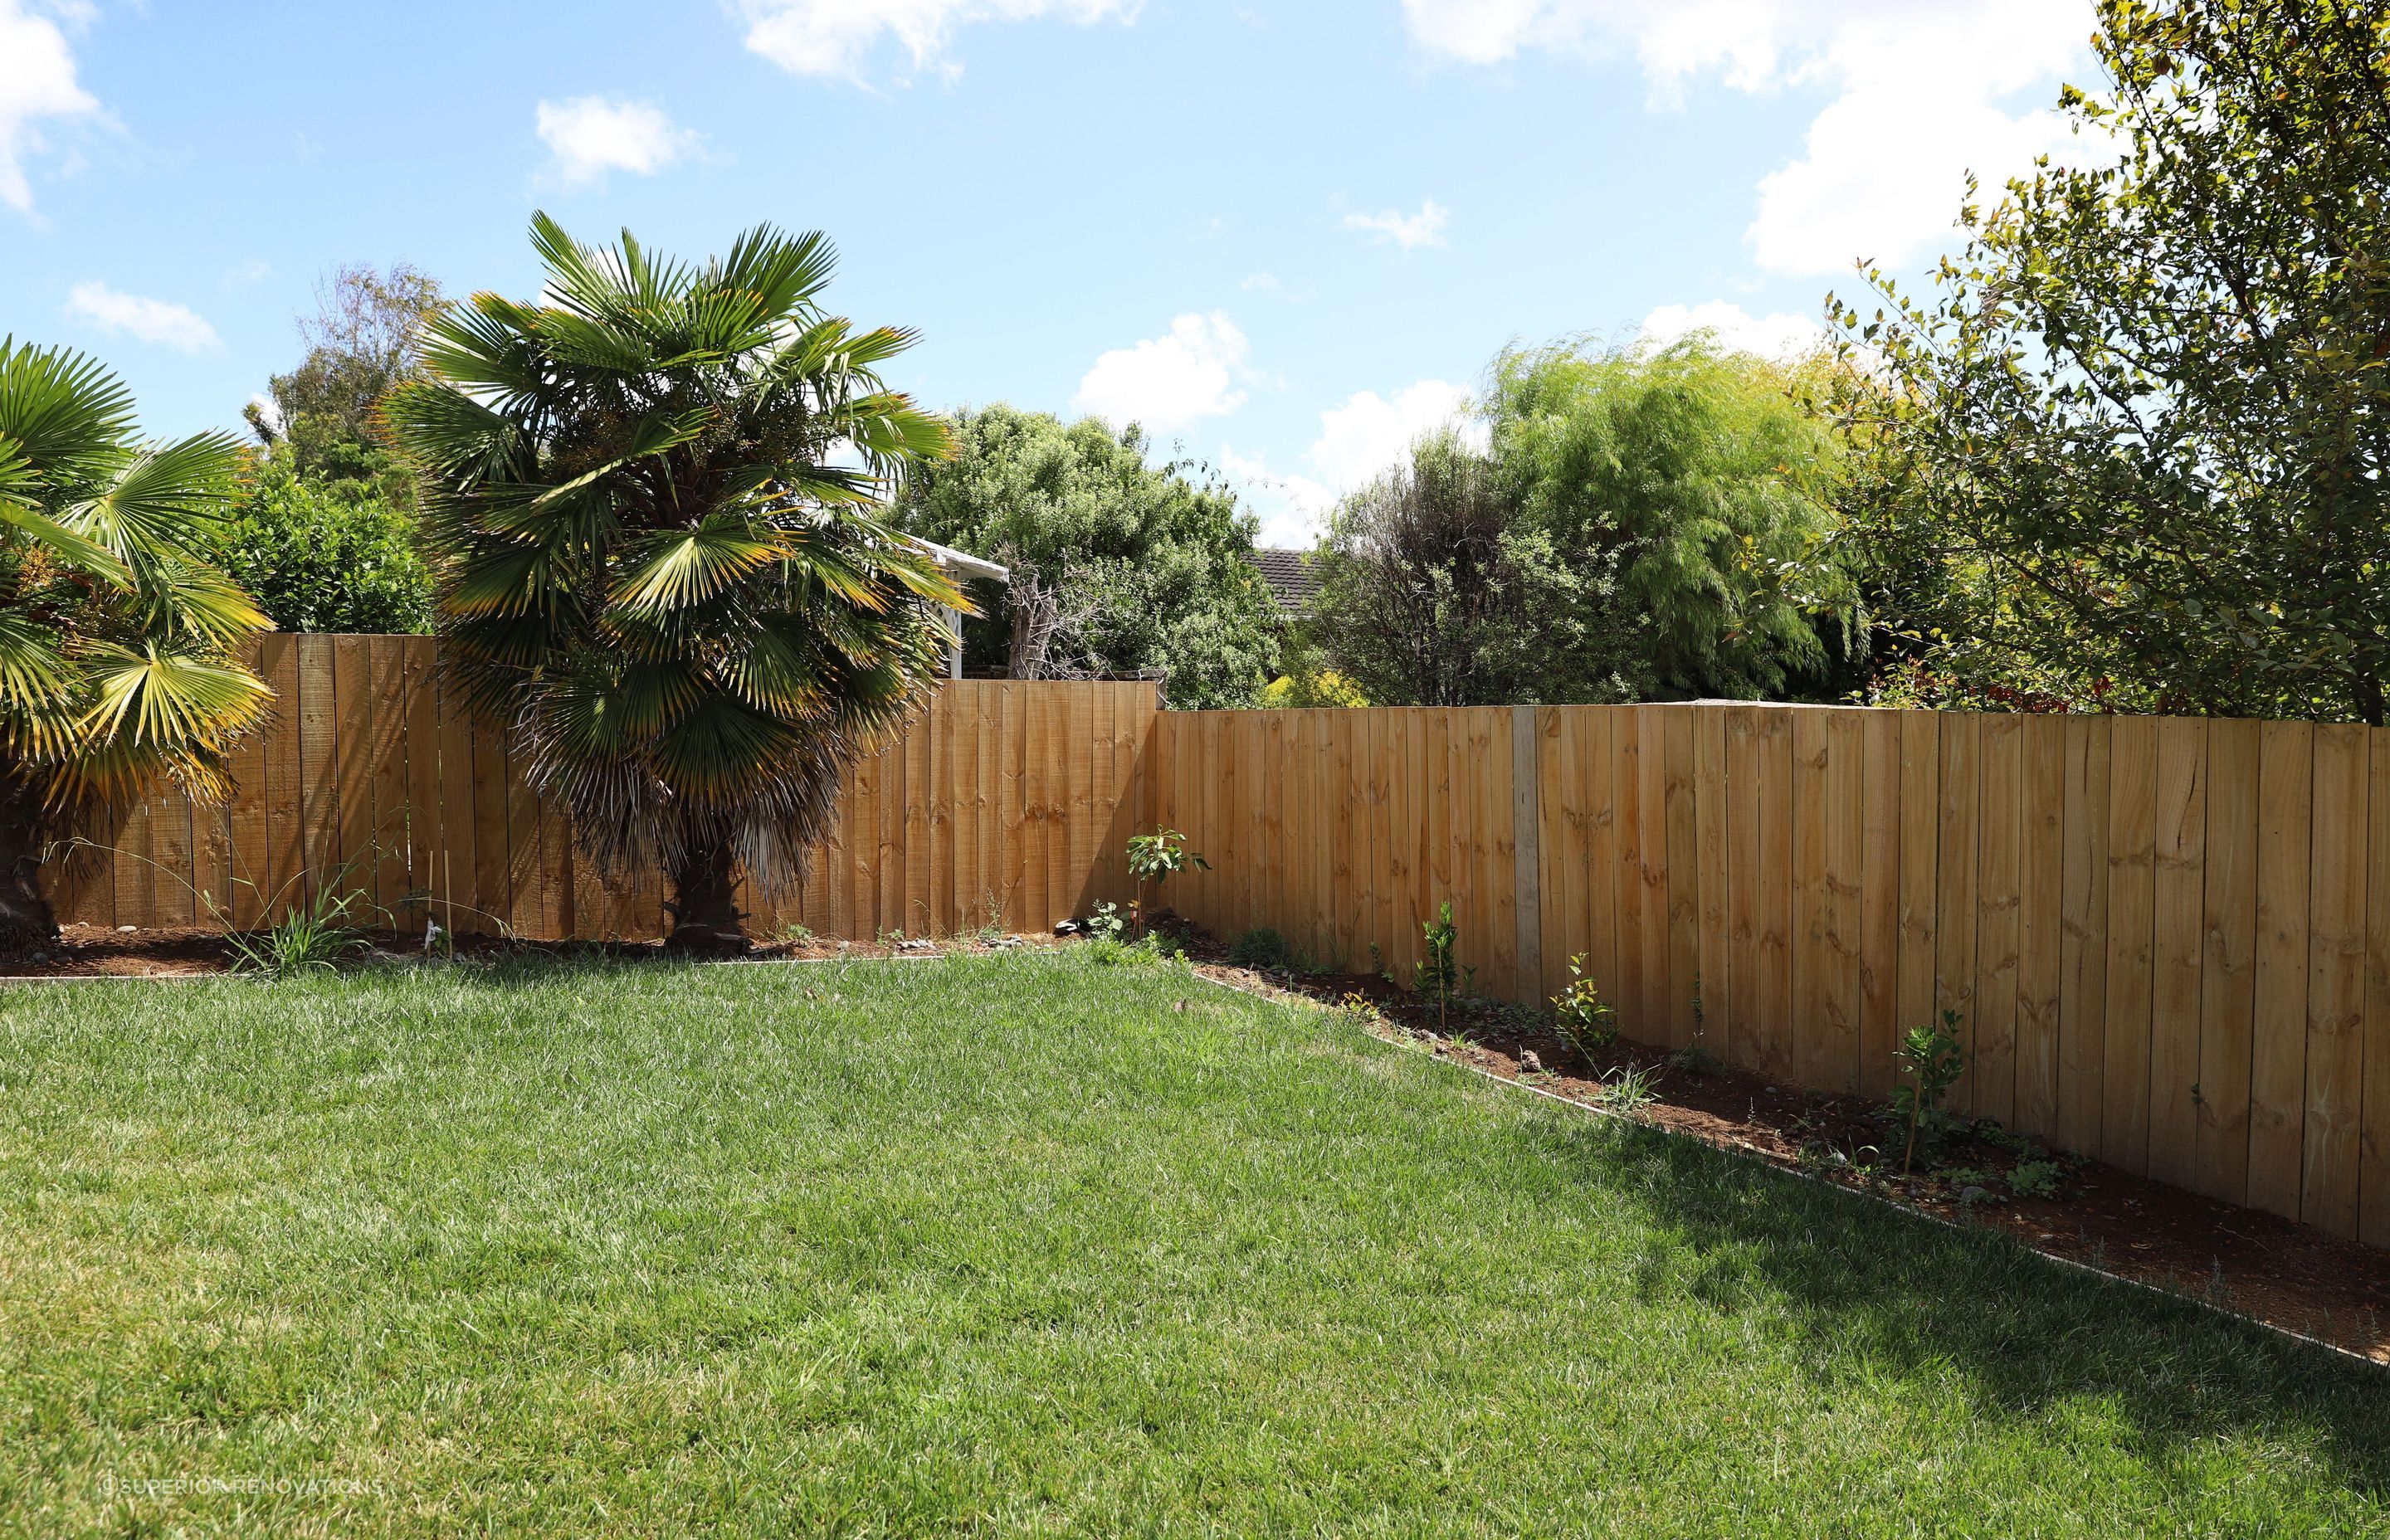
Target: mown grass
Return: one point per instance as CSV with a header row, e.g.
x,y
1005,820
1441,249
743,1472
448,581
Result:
x,y
1020,1246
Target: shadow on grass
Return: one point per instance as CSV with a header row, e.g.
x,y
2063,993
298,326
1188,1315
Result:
x,y
1905,1297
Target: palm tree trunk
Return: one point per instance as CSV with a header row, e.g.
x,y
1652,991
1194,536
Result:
x,y
27,923
704,904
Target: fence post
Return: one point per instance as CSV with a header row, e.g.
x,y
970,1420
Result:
x,y
1526,809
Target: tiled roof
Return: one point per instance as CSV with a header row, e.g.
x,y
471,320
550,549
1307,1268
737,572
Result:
x,y
1291,576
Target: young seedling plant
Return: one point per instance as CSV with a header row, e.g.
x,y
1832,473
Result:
x,y
1930,1058
1158,857
1436,974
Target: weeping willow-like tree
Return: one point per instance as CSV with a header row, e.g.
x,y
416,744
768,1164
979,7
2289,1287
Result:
x,y
116,631
653,503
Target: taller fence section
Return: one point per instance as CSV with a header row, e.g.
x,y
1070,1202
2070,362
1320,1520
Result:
x,y
2167,941
1004,803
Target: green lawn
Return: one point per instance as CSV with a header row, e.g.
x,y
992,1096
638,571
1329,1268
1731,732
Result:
x,y
1016,1246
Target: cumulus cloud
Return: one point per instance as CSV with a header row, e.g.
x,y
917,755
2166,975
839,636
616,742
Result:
x,y
590,136
1920,92
1169,381
37,81
159,321
1408,231
1366,434
1784,334
838,37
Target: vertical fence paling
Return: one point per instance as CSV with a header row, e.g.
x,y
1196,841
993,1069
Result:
x,y
2167,940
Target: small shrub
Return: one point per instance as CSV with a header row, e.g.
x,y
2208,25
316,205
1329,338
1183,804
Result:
x,y
1158,857
1360,1008
1437,976
2034,1179
1930,1058
1585,1020
1107,923
1261,949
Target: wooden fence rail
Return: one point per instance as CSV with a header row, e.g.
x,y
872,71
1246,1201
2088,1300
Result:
x,y
2167,941
1004,799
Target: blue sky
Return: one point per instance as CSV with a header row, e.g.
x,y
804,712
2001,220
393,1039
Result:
x,y
1287,236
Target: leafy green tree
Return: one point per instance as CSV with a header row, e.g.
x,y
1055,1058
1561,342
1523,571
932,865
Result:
x,y
328,555
2132,448
1689,491
117,634
653,503
1433,591
1118,566
364,340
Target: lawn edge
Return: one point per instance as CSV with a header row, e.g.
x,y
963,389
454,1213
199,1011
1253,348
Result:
x,y
1752,1157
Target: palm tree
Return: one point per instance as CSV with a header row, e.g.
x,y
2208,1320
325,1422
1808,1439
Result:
x,y
652,508
117,630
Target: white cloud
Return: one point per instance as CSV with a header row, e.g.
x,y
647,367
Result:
x,y
1292,509
255,270
1366,435
1165,382
1408,231
838,37
159,321
1784,334
590,137
1921,91
37,81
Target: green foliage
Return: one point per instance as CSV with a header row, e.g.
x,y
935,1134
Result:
x,y
1433,592
364,340
328,555
1262,949
1118,566
1931,1059
652,507
1158,857
2128,452
315,936
1436,974
1629,1090
117,629
2036,1178
1585,1020
1690,489
1643,525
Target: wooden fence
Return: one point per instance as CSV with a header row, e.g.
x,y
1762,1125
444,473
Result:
x,y
2167,940
1015,799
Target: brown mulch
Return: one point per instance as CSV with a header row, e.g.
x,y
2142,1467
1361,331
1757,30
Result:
x,y
90,950
2286,1275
